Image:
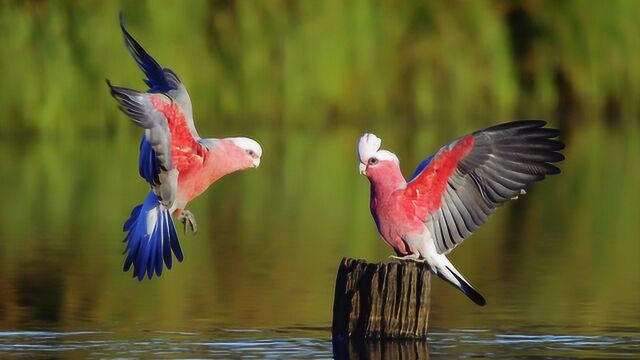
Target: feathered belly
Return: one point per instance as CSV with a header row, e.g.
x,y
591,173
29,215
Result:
x,y
397,225
190,186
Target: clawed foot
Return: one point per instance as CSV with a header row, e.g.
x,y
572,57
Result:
x,y
410,257
186,217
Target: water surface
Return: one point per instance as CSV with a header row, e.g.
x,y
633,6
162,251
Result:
x,y
559,268
312,343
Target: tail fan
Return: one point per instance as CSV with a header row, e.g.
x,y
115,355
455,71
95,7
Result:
x,y
151,237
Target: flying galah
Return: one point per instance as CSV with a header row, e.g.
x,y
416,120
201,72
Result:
x,y
174,160
452,193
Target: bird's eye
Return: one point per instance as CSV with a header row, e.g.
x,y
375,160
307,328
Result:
x,y
251,152
373,161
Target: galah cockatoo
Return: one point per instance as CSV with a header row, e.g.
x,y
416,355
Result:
x,y
174,160
452,193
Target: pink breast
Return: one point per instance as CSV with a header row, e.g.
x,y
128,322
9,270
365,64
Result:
x,y
397,218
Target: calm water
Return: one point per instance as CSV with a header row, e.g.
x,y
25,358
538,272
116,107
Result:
x,y
313,343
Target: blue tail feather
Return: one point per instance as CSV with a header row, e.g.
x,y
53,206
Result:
x,y
140,264
150,239
157,254
175,245
132,218
166,248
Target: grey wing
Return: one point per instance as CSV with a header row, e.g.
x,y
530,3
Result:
x,y
504,161
159,79
155,163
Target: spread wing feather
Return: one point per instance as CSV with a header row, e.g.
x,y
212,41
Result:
x,y
170,142
155,161
159,79
468,179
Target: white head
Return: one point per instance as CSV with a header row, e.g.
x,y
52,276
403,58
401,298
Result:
x,y
228,155
372,159
252,151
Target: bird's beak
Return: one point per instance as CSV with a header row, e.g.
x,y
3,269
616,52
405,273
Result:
x,y
256,162
363,169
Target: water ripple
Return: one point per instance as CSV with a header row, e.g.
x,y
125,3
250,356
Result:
x,y
310,342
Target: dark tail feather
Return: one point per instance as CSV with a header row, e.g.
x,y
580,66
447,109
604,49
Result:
x,y
465,287
148,252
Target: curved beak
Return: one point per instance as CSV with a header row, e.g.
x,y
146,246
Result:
x,y
256,162
363,169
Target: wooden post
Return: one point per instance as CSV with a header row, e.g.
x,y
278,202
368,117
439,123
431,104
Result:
x,y
385,300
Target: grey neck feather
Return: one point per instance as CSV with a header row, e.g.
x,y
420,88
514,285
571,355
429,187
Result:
x,y
209,143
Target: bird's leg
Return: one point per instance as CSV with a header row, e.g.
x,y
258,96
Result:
x,y
186,217
410,257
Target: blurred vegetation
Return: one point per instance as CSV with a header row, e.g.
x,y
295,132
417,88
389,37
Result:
x,y
306,78
266,63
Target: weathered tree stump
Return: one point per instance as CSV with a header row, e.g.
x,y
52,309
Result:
x,y
377,301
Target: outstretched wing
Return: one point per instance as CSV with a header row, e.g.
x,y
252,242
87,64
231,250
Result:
x,y
159,79
167,143
457,189
170,143
155,162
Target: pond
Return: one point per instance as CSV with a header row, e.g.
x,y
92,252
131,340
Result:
x,y
559,268
312,343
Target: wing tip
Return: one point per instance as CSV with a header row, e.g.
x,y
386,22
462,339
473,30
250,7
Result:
x,y
517,125
123,25
109,85
156,78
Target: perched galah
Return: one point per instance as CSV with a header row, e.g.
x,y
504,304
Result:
x,y
452,193
174,160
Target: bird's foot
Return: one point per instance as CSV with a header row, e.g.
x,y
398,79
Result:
x,y
186,217
410,257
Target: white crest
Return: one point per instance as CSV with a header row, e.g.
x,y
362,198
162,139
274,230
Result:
x,y
368,147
